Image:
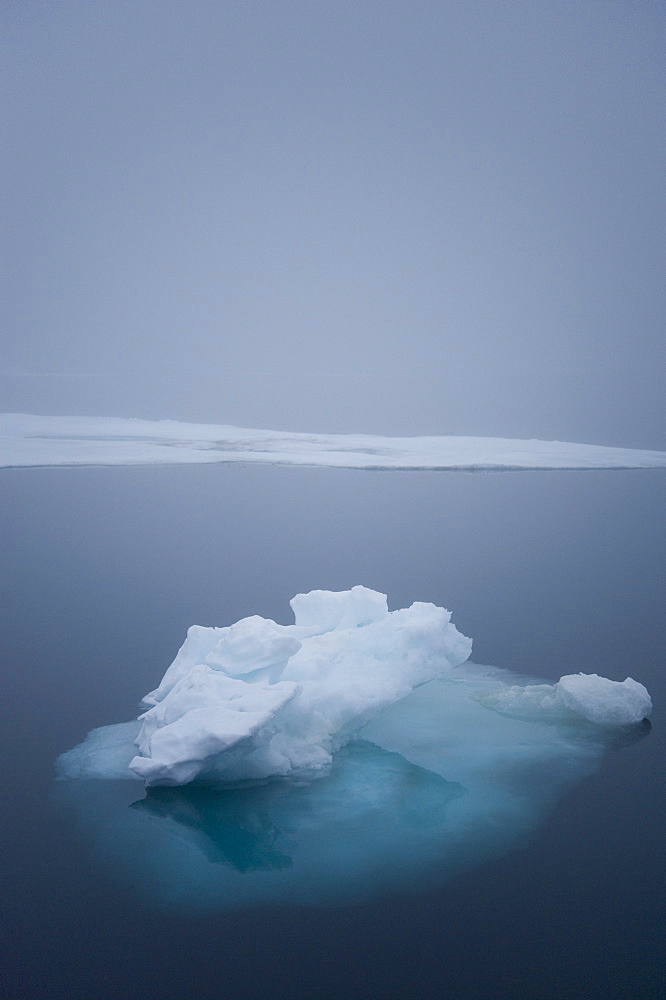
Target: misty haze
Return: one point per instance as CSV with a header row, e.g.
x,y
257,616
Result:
x,y
308,694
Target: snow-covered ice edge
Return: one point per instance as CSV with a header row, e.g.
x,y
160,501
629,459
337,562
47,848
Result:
x,y
28,440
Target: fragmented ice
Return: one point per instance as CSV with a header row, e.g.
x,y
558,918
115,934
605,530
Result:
x,y
390,755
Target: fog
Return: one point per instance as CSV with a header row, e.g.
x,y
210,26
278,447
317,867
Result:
x,y
399,218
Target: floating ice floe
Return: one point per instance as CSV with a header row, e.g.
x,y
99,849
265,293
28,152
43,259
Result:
x,y
353,751
257,699
32,440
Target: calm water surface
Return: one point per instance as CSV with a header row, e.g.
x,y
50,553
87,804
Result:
x,y
550,573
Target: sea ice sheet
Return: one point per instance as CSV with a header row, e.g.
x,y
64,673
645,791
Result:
x,y
33,440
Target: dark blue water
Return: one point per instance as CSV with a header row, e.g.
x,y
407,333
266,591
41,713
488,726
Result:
x,y
550,573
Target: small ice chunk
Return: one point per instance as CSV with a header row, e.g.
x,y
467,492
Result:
x,y
605,702
588,696
327,610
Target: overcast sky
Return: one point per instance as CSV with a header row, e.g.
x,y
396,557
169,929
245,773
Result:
x,y
338,215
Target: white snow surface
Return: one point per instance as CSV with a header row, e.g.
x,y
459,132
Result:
x,y
256,699
30,440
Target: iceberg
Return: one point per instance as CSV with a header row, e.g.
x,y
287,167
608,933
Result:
x,y
353,752
257,700
29,440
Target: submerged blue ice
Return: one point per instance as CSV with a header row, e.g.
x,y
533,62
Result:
x,y
354,751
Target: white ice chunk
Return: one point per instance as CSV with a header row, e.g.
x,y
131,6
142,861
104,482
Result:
x,y
326,609
293,701
257,700
596,699
605,702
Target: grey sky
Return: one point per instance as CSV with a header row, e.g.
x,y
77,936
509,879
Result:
x,y
383,217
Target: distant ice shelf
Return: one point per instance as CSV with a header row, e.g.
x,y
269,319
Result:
x,y
27,440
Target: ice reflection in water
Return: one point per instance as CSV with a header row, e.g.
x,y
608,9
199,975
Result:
x,y
444,793
260,828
